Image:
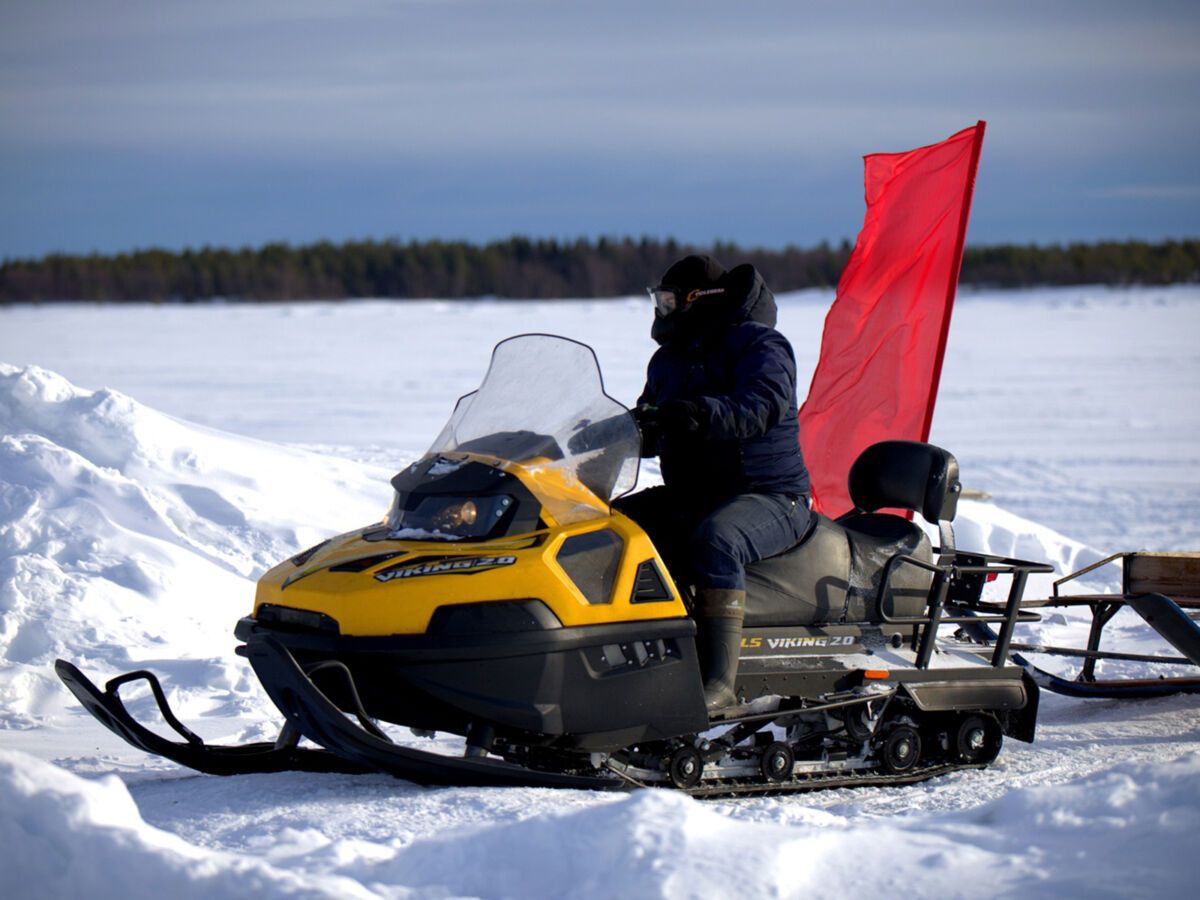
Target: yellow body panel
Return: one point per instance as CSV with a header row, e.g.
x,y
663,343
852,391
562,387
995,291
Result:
x,y
364,605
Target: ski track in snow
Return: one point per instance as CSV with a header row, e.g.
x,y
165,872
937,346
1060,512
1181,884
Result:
x,y
131,537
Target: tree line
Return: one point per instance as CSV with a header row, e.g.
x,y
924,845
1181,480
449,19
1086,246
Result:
x,y
523,268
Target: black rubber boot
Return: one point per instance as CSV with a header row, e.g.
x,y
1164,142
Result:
x,y
720,615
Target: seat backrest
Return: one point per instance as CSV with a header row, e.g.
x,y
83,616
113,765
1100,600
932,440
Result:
x,y
906,475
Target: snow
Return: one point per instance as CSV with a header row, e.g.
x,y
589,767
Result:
x,y
135,517
66,836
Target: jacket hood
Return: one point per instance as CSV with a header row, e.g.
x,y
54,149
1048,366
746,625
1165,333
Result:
x,y
749,297
746,299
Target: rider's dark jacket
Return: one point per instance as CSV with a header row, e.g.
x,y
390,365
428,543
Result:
x,y
724,353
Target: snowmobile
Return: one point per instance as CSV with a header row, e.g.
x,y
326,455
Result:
x,y
504,600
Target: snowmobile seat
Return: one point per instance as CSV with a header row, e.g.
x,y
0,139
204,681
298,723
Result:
x,y
907,475
833,574
804,585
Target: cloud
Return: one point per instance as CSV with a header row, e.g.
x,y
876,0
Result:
x,y
575,118
1152,192
535,78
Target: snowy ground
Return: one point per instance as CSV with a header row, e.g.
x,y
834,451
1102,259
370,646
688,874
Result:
x,y
131,531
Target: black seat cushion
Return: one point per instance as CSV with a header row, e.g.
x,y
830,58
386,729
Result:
x,y
803,585
874,539
832,575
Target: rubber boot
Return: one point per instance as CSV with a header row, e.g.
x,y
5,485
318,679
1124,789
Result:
x,y
720,615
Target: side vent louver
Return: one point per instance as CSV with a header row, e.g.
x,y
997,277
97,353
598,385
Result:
x,y
301,558
649,586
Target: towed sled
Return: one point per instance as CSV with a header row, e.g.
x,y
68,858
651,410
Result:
x,y
505,601
1164,590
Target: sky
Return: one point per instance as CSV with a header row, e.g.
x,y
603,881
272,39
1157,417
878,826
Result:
x,y
166,123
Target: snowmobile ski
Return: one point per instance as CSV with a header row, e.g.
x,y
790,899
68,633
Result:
x,y
212,759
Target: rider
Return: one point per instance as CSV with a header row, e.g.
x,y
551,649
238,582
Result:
x,y
719,410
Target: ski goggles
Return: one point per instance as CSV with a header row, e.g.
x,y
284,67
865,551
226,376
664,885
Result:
x,y
666,299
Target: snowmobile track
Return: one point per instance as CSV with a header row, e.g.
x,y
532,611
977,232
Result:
x,y
801,784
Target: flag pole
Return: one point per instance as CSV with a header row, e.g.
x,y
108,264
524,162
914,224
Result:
x,y
976,147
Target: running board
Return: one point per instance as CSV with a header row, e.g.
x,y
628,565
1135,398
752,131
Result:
x,y
212,759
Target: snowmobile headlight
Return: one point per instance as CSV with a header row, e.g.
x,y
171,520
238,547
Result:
x,y
443,517
456,515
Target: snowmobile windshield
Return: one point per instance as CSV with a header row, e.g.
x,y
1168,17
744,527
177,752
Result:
x,y
542,404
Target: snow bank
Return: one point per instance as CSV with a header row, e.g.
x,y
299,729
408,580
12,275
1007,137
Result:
x,y
988,528
1126,831
64,836
127,536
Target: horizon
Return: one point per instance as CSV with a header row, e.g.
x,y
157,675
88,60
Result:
x,y
845,244
133,125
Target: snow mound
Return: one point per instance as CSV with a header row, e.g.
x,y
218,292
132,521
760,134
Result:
x,y
1046,842
64,836
127,536
987,528
238,502
1128,828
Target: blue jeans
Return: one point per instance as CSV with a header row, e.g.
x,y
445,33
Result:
x,y
712,547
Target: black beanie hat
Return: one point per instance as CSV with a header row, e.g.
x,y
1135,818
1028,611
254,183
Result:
x,y
693,273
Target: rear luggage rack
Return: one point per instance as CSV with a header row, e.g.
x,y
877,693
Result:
x,y
957,585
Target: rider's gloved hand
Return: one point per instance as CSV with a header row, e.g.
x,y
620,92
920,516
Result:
x,y
649,423
681,416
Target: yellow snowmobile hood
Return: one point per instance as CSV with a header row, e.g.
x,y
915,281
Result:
x,y
588,564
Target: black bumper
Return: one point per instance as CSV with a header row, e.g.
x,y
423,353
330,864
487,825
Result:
x,y
586,688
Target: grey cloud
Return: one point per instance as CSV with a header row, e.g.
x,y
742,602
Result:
x,y
439,77
635,98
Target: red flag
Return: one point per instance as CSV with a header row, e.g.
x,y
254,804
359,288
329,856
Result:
x,y
881,353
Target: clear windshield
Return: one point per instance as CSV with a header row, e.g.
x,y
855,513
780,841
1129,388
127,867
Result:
x,y
542,403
